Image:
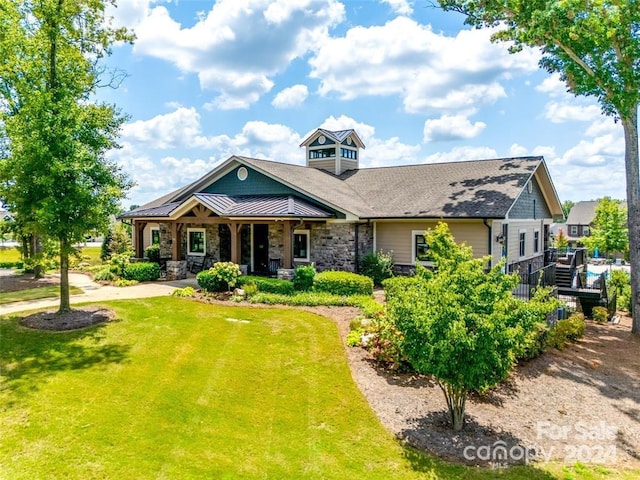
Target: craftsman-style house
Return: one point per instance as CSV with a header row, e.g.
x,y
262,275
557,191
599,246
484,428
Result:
x,y
270,216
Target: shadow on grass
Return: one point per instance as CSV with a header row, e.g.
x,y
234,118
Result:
x,y
28,357
436,468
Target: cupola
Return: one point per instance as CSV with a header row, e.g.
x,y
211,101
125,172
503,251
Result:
x,y
335,152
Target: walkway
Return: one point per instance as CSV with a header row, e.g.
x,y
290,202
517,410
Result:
x,y
95,292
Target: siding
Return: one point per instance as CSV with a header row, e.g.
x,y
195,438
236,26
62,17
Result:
x,y
523,207
328,164
397,237
146,234
529,226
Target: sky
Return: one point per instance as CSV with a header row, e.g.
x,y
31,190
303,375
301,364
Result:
x,y
207,79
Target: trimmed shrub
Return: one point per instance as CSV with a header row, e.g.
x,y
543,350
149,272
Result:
x,y
219,278
119,262
565,331
121,282
600,314
620,282
142,271
303,277
378,266
343,283
267,285
250,289
534,343
18,264
152,252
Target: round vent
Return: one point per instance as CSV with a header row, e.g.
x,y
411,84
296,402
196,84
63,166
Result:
x,y
321,139
242,174
349,141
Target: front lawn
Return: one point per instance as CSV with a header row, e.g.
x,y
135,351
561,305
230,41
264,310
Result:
x,y
35,294
180,389
9,254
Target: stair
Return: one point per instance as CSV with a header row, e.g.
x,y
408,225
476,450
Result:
x,y
563,276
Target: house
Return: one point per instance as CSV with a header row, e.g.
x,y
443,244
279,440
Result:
x,y
269,216
579,221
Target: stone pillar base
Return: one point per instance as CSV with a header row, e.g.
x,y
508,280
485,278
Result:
x,y
176,269
286,273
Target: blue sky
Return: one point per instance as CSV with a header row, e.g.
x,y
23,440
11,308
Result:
x,y
207,80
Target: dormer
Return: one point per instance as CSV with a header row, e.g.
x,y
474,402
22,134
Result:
x,y
335,152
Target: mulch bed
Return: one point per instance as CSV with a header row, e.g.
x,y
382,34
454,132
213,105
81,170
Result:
x,y
72,320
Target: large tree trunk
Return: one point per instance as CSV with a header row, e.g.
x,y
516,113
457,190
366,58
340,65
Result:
x,y
64,276
632,161
456,399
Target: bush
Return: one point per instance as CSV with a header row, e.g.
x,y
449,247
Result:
x,y
303,277
121,282
534,343
119,262
620,283
569,330
219,278
12,264
104,275
343,283
378,266
116,241
367,304
385,345
354,337
184,292
250,289
152,252
397,285
600,314
267,285
142,271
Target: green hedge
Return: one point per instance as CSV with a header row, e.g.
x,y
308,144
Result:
x,y
142,271
369,306
343,283
267,285
209,282
397,285
18,264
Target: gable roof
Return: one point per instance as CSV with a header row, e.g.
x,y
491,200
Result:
x,y
470,189
338,136
582,213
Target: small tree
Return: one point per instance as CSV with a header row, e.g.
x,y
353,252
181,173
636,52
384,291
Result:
x,y
460,323
608,229
561,240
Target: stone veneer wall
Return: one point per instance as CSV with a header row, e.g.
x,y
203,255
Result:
x,y
212,239
276,241
333,245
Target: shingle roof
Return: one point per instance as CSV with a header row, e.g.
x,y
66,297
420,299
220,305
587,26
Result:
x,y
470,189
582,213
152,211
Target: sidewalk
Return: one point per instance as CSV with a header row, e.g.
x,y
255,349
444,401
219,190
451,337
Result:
x,y
95,292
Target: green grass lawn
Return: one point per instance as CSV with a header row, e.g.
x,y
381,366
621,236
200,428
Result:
x,y
184,390
9,254
90,255
35,294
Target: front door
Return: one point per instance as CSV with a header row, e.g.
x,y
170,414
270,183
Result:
x,y
261,248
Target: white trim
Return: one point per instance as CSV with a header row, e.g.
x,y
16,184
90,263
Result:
x,y
520,232
204,234
571,228
253,266
413,249
308,234
375,237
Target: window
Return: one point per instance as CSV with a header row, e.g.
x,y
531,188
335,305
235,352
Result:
x,y
155,236
301,245
536,241
322,153
420,248
347,153
574,230
196,241
585,231
523,244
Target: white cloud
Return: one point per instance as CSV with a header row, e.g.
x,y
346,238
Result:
x,y
432,72
553,86
401,7
561,112
462,154
178,128
237,47
517,150
291,97
451,127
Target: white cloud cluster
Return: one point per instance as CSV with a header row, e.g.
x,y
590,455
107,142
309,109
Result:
x,y
432,72
238,46
291,97
401,7
451,127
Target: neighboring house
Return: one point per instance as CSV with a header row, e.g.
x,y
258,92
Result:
x,y
579,222
268,215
